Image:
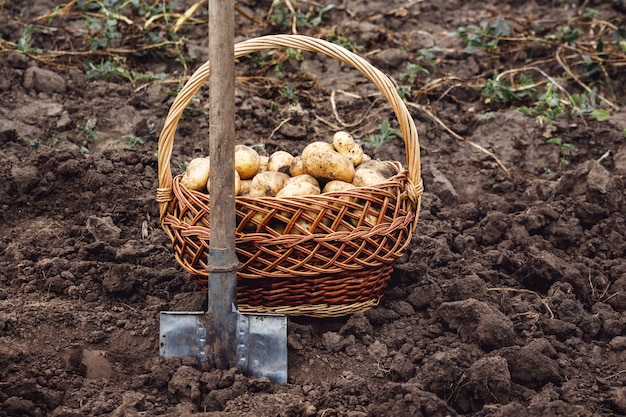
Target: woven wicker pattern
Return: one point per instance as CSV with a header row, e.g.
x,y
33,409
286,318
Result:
x,y
323,255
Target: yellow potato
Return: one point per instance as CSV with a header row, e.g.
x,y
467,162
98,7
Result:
x,y
267,184
369,220
280,161
336,185
298,166
244,187
197,174
365,177
329,165
386,169
304,177
315,146
247,161
298,188
344,143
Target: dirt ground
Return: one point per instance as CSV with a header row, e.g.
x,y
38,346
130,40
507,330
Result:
x,y
510,300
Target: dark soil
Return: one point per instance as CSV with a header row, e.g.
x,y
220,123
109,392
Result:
x,y
510,300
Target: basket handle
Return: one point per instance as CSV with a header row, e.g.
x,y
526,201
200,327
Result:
x,y
414,186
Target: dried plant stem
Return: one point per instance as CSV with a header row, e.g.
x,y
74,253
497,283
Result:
x,y
525,291
459,137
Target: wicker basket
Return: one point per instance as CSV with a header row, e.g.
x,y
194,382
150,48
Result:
x,y
344,265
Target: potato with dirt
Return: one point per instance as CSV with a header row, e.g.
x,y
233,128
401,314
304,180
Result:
x,y
267,184
197,174
326,165
247,161
301,185
280,161
371,173
344,143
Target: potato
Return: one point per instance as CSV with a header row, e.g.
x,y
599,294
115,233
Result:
x,y
264,161
280,161
244,187
298,188
247,161
370,219
237,184
314,146
344,143
337,185
304,177
383,167
197,174
329,165
365,177
267,184
304,226
298,166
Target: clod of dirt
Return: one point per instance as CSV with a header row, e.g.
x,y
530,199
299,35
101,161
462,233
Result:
x,y
185,383
487,381
530,367
103,228
43,81
357,325
412,401
334,342
478,322
118,280
96,364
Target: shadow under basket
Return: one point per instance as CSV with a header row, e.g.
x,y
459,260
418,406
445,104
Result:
x,y
322,255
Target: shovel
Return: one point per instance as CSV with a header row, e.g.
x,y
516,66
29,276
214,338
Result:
x,y
223,337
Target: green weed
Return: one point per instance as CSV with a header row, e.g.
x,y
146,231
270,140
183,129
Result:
x,y
35,144
115,68
385,135
289,92
565,150
483,36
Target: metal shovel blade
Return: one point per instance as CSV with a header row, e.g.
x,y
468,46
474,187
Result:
x,y
181,334
262,346
261,341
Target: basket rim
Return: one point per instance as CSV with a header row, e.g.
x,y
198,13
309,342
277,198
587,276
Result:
x,y
414,186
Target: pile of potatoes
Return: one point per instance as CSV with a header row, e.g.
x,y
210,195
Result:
x,y
322,167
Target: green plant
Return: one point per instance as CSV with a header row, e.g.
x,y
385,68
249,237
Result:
x,y
35,144
565,150
343,41
285,16
89,135
412,71
110,69
130,141
483,36
56,141
385,135
404,91
548,107
25,43
289,92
